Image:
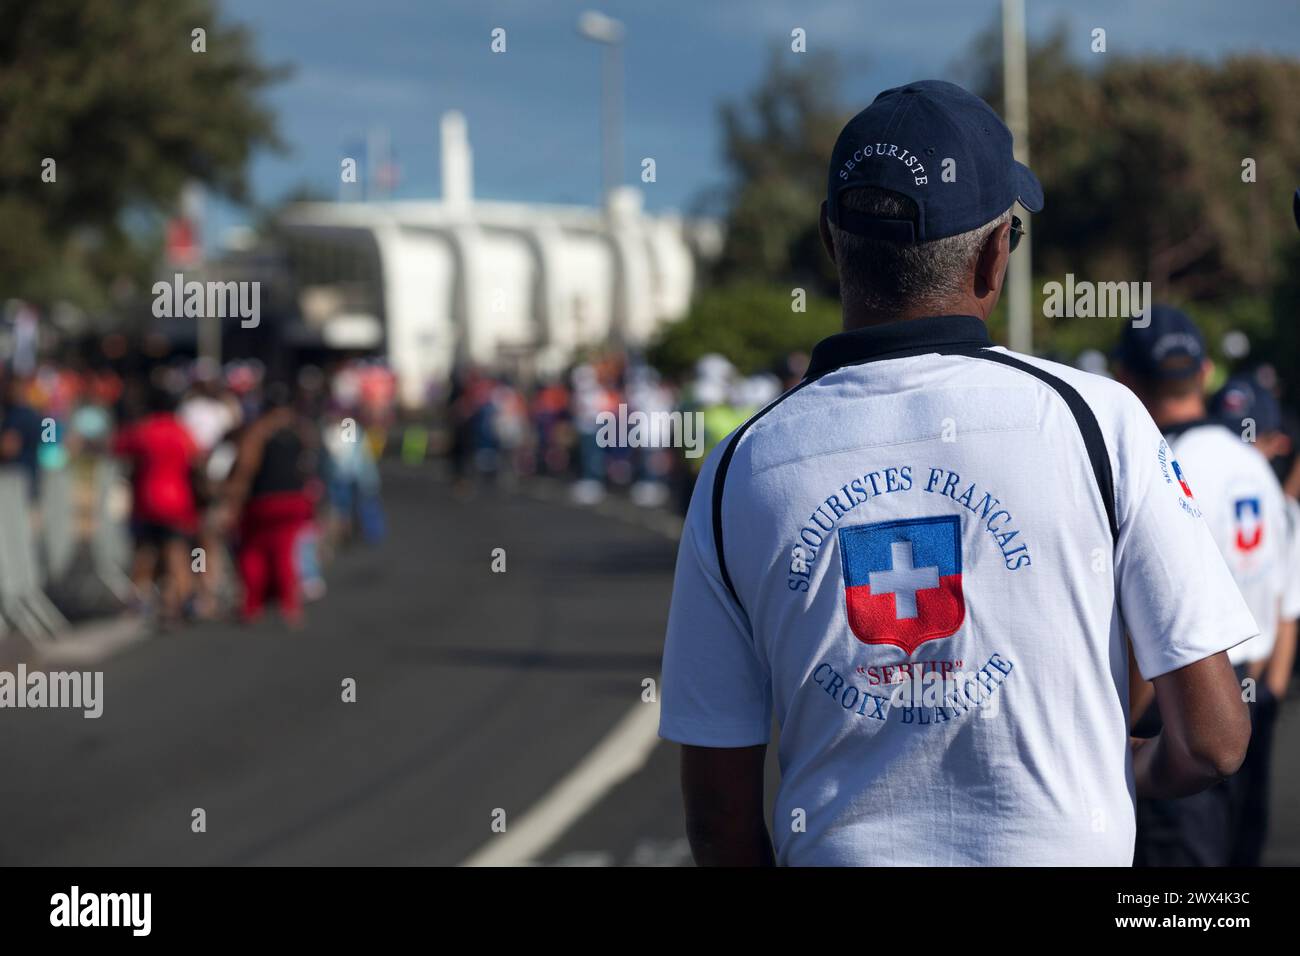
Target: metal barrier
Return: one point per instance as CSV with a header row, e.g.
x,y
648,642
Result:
x,y
58,533
110,542
23,605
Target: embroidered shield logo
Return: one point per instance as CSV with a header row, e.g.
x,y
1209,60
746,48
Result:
x,y
902,580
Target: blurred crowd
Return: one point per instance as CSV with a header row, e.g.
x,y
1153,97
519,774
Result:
x,y
239,486
257,480
499,430
242,486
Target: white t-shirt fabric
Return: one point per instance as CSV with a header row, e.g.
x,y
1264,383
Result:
x,y
1245,509
1291,589
206,419
930,598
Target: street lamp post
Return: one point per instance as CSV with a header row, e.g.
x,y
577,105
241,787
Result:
x,y
1015,87
608,32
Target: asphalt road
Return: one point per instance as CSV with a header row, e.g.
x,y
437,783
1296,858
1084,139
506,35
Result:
x,y
477,692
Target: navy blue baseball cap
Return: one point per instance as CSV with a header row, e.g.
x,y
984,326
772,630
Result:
x,y
1243,397
1169,347
901,142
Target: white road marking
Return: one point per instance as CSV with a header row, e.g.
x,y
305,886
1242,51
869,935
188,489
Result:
x,y
622,752
650,851
586,858
656,852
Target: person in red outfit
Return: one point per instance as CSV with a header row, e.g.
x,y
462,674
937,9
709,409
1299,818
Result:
x,y
270,488
164,517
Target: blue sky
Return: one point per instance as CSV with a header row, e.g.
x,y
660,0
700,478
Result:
x,y
532,111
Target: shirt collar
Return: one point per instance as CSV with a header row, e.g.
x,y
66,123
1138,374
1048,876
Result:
x,y
898,339
1182,428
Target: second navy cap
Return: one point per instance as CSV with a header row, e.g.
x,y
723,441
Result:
x,y
1168,347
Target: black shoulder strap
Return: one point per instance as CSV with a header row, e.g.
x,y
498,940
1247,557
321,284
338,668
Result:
x,y
1093,440
720,480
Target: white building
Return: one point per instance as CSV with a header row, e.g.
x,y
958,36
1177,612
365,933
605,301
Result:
x,y
514,285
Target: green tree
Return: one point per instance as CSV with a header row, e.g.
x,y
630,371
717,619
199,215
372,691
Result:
x,y
753,325
129,111
1141,164
777,142
1141,160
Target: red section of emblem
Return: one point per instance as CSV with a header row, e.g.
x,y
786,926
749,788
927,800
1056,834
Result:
x,y
873,618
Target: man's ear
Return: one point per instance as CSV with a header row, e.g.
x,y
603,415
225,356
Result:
x,y
824,227
991,267
1207,373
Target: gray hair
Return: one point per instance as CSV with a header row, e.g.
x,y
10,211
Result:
x,y
890,277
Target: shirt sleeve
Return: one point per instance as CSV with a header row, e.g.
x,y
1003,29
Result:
x,y
1177,596
1291,564
716,691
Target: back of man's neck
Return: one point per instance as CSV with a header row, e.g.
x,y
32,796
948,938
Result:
x,y
861,319
1172,414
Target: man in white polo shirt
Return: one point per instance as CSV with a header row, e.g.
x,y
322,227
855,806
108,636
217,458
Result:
x,y
1253,415
1166,365
922,559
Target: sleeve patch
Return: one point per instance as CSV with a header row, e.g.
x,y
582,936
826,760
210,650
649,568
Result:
x,y
1175,477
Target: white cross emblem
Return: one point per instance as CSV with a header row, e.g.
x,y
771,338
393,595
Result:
x,y
903,581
